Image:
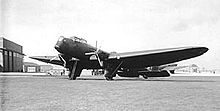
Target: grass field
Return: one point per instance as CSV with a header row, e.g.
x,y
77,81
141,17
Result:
x,y
46,93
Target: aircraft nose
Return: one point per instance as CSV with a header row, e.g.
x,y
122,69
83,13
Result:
x,y
59,44
56,47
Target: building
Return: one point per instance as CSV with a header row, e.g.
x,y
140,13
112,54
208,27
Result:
x,y
45,68
31,67
11,56
194,68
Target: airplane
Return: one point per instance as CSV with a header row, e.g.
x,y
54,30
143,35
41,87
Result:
x,y
76,54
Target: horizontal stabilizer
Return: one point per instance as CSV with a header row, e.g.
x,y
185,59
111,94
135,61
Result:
x,y
48,59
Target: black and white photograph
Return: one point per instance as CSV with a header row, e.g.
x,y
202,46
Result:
x,y
109,55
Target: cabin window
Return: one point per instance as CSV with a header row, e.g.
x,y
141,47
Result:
x,y
77,39
61,38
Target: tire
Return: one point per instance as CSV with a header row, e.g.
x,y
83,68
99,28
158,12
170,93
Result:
x,y
145,76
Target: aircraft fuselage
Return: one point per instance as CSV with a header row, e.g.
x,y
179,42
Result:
x,y
73,48
78,49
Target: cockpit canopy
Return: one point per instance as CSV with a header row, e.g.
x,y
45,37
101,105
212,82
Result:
x,y
74,38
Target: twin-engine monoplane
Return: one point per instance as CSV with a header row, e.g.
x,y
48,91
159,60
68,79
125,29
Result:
x,y
75,55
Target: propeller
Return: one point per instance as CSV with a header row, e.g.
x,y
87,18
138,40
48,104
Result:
x,y
53,58
62,59
96,53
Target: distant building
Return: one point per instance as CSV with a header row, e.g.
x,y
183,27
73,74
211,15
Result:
x,y
11,56
31,67
45,68
194,68
98,72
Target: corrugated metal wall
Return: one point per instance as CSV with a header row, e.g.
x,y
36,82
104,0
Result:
x,y
12,56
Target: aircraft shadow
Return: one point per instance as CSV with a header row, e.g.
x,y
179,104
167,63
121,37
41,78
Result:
x,y
139,79
123,79
183,80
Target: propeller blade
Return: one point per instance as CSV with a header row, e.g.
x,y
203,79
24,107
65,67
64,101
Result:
x,y
100,63
96,53
90,53
93,53
62,59
97,49
53,58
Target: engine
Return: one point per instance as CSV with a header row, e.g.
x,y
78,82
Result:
x,y
162,73
145,73
131,73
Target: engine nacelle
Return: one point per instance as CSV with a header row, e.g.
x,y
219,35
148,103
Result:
x,y
162,73
132,73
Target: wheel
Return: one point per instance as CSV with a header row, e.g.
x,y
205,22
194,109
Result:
x,y
71,78
109,78
74,78
145,76
172,71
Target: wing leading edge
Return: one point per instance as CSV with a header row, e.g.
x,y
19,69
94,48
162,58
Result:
x,y
158,57
143,58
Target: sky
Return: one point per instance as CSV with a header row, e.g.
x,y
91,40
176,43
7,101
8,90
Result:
x,y
117,25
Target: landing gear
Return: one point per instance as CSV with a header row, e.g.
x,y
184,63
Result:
x,y
112,70
73,78
109,75
75,71
109,78
172,71
145,76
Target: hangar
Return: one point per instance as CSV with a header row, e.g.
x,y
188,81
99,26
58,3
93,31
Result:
x,y
11,56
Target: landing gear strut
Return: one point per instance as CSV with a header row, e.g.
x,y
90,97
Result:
x,y
109,78
75,71
111,71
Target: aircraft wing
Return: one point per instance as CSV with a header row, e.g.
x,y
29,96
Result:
x,y
48,59
157,57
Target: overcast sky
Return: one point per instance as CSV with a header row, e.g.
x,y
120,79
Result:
x,y
118,25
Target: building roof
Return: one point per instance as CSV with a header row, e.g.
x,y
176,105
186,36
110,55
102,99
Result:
x,y
30,64
194,65
6,44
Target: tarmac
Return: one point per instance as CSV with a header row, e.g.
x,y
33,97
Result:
x,y
40,92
